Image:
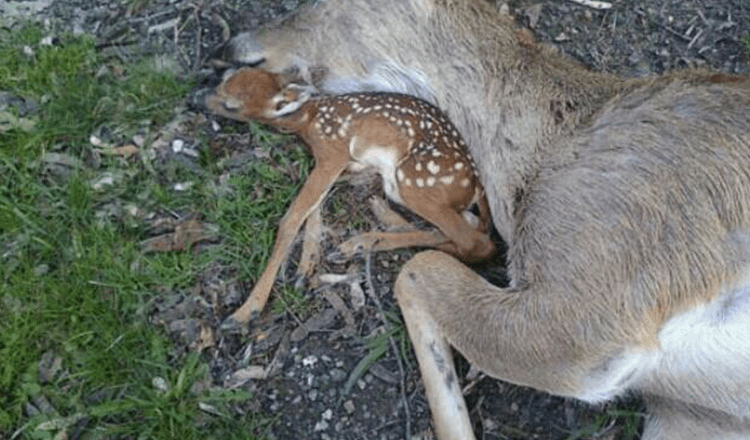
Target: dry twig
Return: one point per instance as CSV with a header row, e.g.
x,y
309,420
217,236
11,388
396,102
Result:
x,y
593,4
371,291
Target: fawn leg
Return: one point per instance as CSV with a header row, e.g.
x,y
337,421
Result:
x,y
465,241
387,241
310,245
314,190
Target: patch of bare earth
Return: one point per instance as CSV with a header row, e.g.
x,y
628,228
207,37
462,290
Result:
x,y
300,365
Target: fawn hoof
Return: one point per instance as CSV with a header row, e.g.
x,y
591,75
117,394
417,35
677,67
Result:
x,y
346,251
231,324
341,256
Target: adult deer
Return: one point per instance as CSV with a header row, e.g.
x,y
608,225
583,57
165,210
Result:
x,y
625,205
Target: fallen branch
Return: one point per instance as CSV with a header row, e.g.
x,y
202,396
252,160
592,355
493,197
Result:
x,y
371,291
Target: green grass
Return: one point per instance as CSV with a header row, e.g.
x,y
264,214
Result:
x,y
627,419
76,287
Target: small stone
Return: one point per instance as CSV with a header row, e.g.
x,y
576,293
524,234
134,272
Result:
x,y
349,406
178,145
139,140
159,384
337,375
327,414
40,270
182,186
310,361
321,426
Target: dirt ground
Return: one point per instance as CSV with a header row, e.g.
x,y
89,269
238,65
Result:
x,y
308,358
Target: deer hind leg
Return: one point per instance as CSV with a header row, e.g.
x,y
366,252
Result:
x,y
672,420
449,411
313,192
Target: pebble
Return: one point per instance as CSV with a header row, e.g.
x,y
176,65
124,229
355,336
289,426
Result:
x,y
310,361
337,374
349,406
178,145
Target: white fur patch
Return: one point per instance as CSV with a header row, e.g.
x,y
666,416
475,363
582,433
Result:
x,y
384,76
705,343
381,158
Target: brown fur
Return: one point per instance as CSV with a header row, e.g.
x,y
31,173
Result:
x,y
625,203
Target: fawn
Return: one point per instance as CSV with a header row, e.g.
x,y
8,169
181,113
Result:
x,y
418,152
625,205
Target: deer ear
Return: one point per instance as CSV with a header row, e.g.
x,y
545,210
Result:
x,y
290,99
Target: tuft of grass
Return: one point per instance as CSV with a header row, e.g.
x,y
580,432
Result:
x,y
378,346
78,351
291,300
746,41
248,209
628,419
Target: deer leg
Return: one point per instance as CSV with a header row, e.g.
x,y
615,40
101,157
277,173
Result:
x,y
313,192
449,411
387,216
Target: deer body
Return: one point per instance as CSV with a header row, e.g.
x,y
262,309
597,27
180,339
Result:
x,y
625,205
419,154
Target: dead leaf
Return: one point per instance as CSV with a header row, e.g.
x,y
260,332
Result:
x,y
127,151
241,376
185,235
320,321
205,339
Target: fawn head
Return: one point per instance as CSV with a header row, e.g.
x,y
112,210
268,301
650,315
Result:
x,y
254,94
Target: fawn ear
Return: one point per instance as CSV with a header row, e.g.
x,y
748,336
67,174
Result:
x,y
291,98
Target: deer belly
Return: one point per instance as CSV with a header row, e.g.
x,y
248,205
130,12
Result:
x,y
382,159
707,344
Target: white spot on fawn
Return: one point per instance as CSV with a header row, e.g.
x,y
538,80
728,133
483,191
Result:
x,y
447,180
